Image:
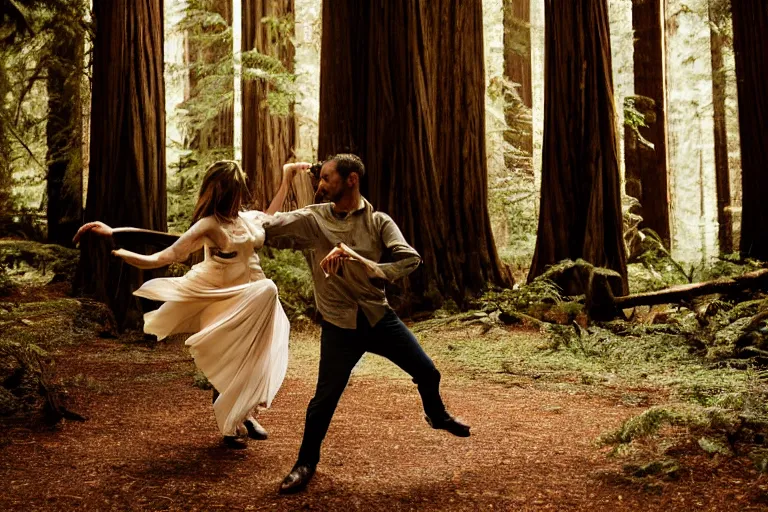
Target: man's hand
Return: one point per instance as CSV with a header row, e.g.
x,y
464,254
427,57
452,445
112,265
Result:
x,y
332,262
98,228
290,169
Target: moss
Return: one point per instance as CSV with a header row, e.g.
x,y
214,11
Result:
x,y
37,263
7,285
52,323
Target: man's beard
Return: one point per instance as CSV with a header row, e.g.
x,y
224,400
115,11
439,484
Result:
x,y
327,197
319,197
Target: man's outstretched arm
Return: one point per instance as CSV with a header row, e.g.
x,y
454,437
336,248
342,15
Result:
x,y
297,229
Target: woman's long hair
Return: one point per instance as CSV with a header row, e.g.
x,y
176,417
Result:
x,y
224,192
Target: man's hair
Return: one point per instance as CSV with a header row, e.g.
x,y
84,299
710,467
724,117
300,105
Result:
x,y
347,163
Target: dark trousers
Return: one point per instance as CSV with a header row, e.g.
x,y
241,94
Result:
x,y
341,349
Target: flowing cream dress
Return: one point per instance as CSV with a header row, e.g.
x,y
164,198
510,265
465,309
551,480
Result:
x,y
241,331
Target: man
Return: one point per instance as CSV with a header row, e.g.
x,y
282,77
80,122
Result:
x,y
346,239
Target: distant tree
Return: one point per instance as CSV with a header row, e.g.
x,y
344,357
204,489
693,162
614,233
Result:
x,y
17,26
750,42
64,135
580,215
647,176
720,23
208,25
517,59
269,123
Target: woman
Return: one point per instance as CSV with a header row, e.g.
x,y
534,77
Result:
x,y
241,331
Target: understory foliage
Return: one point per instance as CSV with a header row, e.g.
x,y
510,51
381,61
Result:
x,y
26,31
512,189
711,353
206,115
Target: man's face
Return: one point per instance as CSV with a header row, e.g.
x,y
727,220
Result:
x,y
331,186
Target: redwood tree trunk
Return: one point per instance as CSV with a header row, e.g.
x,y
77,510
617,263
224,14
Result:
x,y
580,215
403,86
649,171
64,137
126,185
459,98
722,171
517,59
750,42
268,139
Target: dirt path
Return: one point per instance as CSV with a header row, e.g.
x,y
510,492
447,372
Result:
x,y
151,443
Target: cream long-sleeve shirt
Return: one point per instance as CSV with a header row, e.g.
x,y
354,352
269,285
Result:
x,y
368,232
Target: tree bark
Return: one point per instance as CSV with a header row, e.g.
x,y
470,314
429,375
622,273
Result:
x,y
517,60
750,42
580,215
344,78
649,171
403,87
269,139
126,185
459,94
722,170
64,136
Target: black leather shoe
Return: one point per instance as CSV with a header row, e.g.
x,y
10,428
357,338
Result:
x,y
450,424
235,443
255,430
297,479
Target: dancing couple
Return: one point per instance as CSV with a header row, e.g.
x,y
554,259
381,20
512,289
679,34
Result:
x,y
240,339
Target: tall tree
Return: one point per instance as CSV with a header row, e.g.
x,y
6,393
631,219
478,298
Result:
x,y
580,215
126,185
64,127
269,123
719,21
403,86
647,177
750,42
517,61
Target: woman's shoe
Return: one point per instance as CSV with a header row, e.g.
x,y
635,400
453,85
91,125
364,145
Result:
x,y
255,430
234,443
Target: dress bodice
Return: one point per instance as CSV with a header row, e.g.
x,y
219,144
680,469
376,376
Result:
x,y
245,237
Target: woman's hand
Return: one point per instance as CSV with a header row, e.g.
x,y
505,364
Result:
x,y
120,253
290,169
96,227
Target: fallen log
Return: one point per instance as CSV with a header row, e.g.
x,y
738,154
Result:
x,y
757,279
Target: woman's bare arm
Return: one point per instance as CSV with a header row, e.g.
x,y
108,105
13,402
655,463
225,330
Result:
x,y
193,239
289,171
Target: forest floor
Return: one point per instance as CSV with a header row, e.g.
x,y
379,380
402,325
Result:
x,y
150,441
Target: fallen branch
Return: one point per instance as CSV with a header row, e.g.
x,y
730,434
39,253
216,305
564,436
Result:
x,y
757,279
522,317
437,322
